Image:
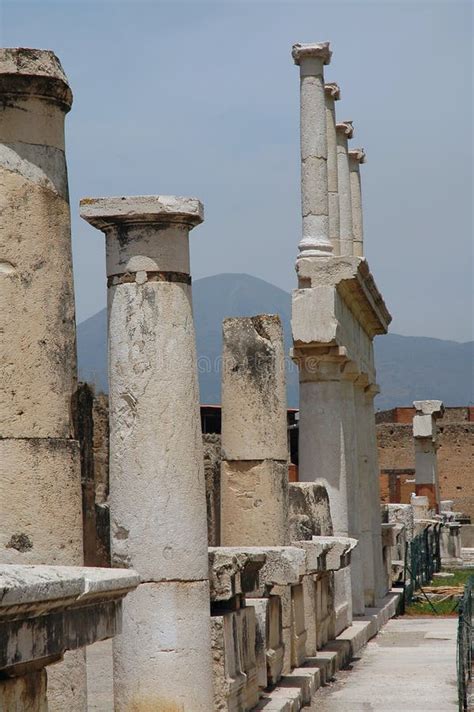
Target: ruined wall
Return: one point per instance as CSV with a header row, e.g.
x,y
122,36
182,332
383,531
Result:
x,y
212,470
455,454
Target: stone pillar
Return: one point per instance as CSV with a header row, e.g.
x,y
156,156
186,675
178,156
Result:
x,y
426,465
254,475
344,131
356,157
311,59
162,660
333,94
40,480
328,456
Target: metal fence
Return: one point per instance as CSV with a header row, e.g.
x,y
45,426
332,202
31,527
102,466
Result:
x,y
422,560
464,646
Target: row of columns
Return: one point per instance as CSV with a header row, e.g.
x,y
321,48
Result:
x,y
337,424
331,200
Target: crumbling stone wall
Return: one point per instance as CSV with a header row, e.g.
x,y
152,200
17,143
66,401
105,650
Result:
x,y
212,471
455,453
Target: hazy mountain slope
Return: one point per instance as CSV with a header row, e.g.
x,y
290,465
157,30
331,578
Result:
x,y
408,367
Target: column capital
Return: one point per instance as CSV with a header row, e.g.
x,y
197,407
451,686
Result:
x,y
34,72
332,91
358,155
104,213
345,128
435,408
316,50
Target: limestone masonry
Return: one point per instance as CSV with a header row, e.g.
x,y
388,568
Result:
x,y
225,583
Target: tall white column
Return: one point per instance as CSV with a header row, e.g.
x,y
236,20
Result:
x,y
333,94
344,131
356,157
40,476
162,660
328,455
311,59
426,464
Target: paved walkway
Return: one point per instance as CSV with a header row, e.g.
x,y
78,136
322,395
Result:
x,y
409,667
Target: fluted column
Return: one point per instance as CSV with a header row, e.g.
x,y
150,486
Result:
x,y
40,478
344,131
311,59
333,94
356,157
162,660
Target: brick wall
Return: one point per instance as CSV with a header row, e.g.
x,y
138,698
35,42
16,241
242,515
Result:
x,y
455,454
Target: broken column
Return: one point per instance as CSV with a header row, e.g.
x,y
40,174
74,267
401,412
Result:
x,y
344,131
311,59
254,474
333,94
157,490
424,433
40,479
356,157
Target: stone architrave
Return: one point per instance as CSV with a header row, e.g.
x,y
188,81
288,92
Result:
x,y
356,157
40,478
254,472
333,94
162,659
311,59
426,465
344,131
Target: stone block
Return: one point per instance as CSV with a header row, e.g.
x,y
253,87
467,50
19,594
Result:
x,y
40,501
298,627
229,678
253,389
309,512
254,492
233,572
24,694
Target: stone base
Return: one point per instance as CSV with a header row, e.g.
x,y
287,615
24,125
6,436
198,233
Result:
x,y
254,501
164,648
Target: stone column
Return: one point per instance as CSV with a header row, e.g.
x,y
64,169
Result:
x,y
426,465
344,131
254,475
311,59
162,660
356,157
333,94
328,455
40,479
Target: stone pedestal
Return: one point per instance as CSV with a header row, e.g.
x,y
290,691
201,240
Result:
x,y
40,479
426,466
254,474
157,489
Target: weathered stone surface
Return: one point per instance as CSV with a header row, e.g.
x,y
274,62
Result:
x,y
164,633
42,522
254,507
309,513
228,675
212,472
233,571
253,389
157,486
356,157
24,694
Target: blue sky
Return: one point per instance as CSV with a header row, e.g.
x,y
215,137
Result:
x,y
201,98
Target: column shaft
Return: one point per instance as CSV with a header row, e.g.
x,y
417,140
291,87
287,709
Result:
x,y
40,479
332,95
254,479
328,455
157,490
313,137
344,131
356,157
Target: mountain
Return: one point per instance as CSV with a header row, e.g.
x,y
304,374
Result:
x,y
408,367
